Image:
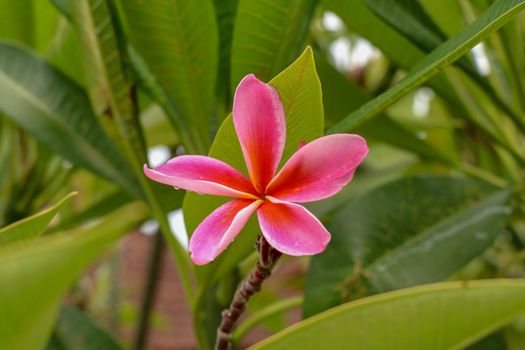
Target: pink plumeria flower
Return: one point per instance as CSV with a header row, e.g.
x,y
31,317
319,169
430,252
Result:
x,y
316,171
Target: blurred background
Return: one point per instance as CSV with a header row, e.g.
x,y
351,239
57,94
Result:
x,y
465,123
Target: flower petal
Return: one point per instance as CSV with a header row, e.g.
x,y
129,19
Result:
x,y
319,169
291,229
219,229
260,124
204,175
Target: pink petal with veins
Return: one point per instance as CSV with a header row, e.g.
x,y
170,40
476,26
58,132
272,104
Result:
x,y
203,175
260,124
291,229
219,229
319,169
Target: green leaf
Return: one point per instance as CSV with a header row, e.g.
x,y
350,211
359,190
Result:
x,y
495,341
63,7
45,23
440,316
64,52
451,50
446,14
267,36
411,20
178,40
151,85
396,236
109,85
76,331
300,92
360,20
17,21
105,53
35,276
94,211
56,111
226,12
33,226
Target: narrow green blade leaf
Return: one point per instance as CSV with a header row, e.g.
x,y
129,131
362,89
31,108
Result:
x,y
451,50
395,236
57,112
76,331
34,276
267,36
32,226
440,316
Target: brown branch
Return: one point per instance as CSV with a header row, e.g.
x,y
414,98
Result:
x,y
268,257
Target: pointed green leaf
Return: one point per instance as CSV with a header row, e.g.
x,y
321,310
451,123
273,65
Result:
x,y
267,36
395,236
449,315
56,111
34,276
33,226
498,14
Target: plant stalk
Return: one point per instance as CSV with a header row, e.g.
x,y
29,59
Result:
x,y
268,257
150,291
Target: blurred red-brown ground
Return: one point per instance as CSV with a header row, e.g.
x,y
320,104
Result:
x,y
170,302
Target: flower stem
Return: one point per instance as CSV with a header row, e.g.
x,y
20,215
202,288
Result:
x,y
268,257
